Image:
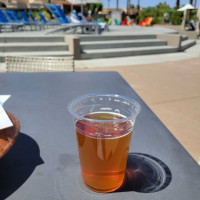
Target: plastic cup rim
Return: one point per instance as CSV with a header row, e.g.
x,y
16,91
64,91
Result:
x,y
133,116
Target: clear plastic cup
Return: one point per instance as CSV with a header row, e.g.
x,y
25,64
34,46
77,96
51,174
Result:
x,y
104,124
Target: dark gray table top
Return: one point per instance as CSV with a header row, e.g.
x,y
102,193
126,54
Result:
x,y
43,163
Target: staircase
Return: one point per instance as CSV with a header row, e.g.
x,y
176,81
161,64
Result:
x,y
33,46
93,47
186,43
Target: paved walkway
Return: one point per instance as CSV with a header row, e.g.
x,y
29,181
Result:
x,y
114,30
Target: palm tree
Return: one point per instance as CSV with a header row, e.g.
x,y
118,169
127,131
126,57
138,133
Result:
x,y
128,4
195,3
189,12
177,4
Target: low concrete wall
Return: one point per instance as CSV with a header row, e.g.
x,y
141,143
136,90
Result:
x,y
192,35
73,43
172,39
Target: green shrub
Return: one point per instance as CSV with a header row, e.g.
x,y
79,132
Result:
x,y
35,15
176,17
162,13
95,7
194,15
157,13
148,12
46,14
156,20
43,12
103,19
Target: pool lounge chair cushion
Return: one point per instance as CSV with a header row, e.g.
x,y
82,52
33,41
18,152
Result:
x,y
146,22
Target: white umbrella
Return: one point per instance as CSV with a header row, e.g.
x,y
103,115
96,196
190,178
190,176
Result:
x,y
186,7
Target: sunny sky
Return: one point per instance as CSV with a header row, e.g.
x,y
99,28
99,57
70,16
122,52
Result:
x,y
144,3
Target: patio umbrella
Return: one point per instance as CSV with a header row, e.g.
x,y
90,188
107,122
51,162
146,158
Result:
x,y
186,7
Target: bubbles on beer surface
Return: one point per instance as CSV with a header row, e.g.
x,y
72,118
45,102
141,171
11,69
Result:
x,y
104,130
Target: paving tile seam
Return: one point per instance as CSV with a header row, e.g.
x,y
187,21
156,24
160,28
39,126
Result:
x,y
174,100
131,61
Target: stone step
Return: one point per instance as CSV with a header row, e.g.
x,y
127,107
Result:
x,y
121,44
184,37
186,44
25,47
31,39
115,37
36,54
120,52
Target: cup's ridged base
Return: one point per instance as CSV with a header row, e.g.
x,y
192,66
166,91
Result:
x,y
108,190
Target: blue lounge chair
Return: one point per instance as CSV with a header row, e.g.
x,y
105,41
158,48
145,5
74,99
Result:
x,y
55,13
16,16
66,25
33,19
25,18
75,15
80,19
62,14
5,23
47,22
19,20
10,16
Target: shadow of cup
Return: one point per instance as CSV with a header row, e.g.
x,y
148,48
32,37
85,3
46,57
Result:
x,y
18,164
145,174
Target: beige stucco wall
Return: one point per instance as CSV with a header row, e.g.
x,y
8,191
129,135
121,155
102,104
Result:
x,y
24,4
28,1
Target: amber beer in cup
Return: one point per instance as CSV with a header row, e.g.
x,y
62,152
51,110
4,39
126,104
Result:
x,y
104,124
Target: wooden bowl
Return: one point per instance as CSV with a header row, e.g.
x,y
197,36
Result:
x,y
9,135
